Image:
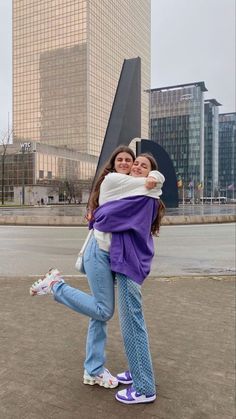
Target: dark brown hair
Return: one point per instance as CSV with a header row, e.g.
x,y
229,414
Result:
x,y
155,229
151,159
107,168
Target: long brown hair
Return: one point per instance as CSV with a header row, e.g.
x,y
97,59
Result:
x,y
155,229
107,168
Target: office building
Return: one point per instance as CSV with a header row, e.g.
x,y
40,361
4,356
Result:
x,y
36,173
177,124
67,59
227,154
211,147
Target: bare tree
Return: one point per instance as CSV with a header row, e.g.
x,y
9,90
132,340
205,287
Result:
x,y
71,190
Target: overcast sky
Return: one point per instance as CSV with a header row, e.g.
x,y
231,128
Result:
x,y
192,40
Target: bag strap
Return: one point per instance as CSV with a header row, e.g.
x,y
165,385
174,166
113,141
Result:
x,y
89,235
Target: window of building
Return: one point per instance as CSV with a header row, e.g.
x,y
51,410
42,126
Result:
x,y
41,174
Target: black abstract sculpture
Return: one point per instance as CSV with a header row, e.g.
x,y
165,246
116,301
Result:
x,y
125,119
125,124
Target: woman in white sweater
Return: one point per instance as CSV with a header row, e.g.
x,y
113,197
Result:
x,y
113,183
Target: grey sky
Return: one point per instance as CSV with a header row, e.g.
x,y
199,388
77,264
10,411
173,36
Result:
x,y
192,40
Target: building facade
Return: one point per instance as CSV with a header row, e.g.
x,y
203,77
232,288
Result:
x,y
227,154
36,173
211,147
67,59
177,124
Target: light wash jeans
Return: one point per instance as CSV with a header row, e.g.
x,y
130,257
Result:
x,y
99,306
135,336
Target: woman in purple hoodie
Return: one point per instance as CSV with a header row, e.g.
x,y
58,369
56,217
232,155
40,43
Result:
x,y
132,222
131,252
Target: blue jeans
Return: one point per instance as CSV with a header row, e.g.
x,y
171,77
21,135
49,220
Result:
x,y
99,306
135,336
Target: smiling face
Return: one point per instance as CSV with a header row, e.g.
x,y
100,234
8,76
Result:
x,y
123,163
141,167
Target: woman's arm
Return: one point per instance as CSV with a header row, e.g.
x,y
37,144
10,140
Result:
x,y
153,179
117,186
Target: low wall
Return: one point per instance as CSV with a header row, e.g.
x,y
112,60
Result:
x,y
80,221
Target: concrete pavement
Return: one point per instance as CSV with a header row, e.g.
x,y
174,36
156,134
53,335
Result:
x,y
191,327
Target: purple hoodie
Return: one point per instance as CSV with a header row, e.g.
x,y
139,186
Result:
x,y
129,220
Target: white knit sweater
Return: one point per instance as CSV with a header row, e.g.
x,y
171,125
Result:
x,y
117,186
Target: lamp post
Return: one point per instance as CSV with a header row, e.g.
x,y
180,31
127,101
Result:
x,y
233,160
24,148
23,177
211,190
3,174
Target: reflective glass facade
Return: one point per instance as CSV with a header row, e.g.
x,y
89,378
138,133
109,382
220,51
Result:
x,y
211,147
18,169
67,58
44,165
227,153
177,124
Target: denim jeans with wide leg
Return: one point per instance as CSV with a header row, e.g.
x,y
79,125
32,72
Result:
x,y
99,306
135,336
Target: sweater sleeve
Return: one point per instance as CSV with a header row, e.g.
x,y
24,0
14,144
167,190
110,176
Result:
x,y
158,176
118,186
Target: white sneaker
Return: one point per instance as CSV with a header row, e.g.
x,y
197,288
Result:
x,y
43,286
104,380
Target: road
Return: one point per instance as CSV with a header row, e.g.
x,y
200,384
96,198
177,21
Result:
x,y
180,250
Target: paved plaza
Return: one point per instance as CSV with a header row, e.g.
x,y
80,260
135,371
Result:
x,y
189,304
191,328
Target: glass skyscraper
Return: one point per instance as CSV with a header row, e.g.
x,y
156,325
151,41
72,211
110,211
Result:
x,y
227,153
67,58
177,124
211,147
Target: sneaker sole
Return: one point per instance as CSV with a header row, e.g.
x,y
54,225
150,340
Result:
x,y
149,400
99,383
33,292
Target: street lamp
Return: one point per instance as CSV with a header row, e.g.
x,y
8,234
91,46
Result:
x,y
24,148
23,177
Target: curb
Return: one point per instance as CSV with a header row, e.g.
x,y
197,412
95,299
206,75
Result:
x,y
80,221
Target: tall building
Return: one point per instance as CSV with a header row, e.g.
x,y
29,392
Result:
x,y
211,147
177,124
67,58
227,153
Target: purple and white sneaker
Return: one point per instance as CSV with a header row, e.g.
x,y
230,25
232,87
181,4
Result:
x,y
125,377
131,396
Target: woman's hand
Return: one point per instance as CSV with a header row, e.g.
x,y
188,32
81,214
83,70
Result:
x,y
150,182
89,215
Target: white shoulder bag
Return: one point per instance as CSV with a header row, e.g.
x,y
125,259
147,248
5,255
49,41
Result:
x,y
79,262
